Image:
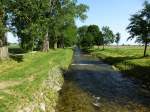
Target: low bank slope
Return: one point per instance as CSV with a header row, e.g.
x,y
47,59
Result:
x,y
33,84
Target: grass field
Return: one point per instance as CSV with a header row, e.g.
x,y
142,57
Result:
x,y
32,84
128,59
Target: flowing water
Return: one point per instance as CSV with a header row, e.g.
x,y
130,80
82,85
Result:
x,y
94,86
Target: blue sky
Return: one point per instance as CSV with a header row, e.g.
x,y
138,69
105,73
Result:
x,y
112,13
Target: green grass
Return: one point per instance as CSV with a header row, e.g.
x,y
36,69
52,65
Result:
x,y
128,59
20,82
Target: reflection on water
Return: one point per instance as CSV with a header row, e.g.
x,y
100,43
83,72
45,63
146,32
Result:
x,y
93,86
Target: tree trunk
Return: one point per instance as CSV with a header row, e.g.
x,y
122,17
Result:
x,y
33,44
1,43
55,45
103,46
145,49
46,44
4,53
63,43
3,48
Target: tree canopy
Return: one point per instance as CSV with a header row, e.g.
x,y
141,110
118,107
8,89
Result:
x,y
108,36
37,22
117,38
139,26
92,35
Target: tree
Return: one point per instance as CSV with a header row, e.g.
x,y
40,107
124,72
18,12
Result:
x,y
108,36
29,20
45,21
89,36
117,39
85,36
3,40
96,33
99,39
82,31
139,26
65,25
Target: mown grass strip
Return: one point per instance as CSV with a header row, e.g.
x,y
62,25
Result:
x,y
31,73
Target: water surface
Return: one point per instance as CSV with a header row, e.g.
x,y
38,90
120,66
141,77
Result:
x,y
94,86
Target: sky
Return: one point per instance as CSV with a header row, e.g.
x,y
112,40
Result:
x,y
112,13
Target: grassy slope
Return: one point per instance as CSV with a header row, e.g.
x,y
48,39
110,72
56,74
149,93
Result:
x,y
26,77
127,59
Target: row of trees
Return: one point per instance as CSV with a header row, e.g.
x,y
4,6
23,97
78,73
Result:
x,y
41,24
138,28
92,35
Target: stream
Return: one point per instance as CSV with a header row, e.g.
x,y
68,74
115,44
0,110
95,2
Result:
x,y
94,86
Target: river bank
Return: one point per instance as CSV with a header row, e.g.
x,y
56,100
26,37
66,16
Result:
x,y
32,84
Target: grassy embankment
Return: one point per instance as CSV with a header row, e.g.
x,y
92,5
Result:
x,y
128,59
33,84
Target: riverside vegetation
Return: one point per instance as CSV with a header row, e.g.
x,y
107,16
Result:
x,y
33,84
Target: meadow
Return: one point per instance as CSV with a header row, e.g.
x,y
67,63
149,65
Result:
x,y
127,59
32,83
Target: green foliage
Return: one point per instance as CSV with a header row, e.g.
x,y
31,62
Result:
x,y
81,34
108,36
89,36
117,38
139,26
88,41
96,33
34,19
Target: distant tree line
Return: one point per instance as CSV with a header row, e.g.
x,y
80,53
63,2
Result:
x,y
91,35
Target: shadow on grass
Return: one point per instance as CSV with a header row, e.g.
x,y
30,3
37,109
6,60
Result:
x,y
16,54
16,51
140,72
116,60
18,58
